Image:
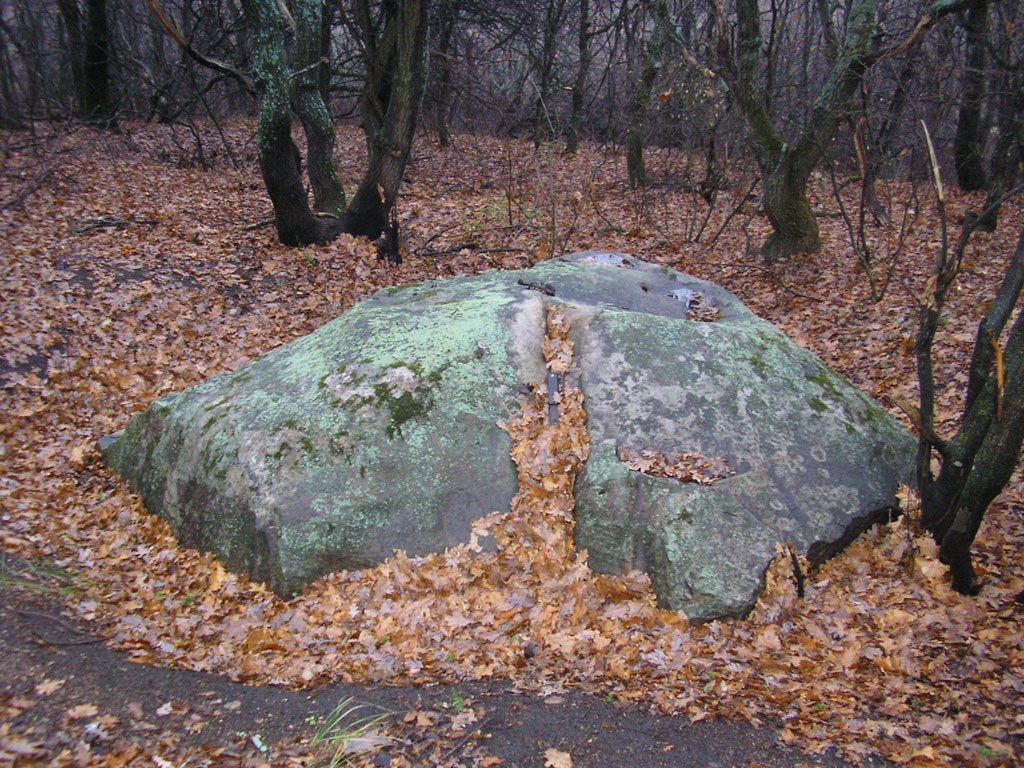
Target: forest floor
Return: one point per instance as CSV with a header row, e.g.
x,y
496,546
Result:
x,y
140,263
67,699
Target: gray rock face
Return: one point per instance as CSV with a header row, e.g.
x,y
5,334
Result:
x,y
378,432
815,461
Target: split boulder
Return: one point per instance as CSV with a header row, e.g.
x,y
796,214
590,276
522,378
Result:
x,y
380,431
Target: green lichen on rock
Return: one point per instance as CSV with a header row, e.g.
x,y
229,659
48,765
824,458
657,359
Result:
x,y
401,408
377,428
402,389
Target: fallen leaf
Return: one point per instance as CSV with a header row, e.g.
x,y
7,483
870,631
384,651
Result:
x,y
424,720
15,745
82,711
47,687
466,717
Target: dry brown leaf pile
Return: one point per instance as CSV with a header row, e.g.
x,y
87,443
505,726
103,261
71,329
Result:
x,y
685,467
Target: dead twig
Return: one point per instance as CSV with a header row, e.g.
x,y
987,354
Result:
x,y
768,272
544,288
736,209
462,742
24,613
29,189
914,414
258,225
110,222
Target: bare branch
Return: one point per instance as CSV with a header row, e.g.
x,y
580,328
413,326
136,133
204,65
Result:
x,y
939,9
207,61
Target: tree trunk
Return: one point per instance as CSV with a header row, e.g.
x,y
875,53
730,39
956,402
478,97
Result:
x,y
654,52
866,168
889,130
635,133
959,514
308,104
323,69
75,50
390,101
978,462
786,169
969,142
572,142
10,117
1008,155
97,103
391,95
443,29
280,160
543,126
784,197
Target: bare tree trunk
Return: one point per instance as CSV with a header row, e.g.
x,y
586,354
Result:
x,y
390,104
582,72
97,102
280,160
969,142
308,103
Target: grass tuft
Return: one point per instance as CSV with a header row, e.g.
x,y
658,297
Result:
x,y
347,734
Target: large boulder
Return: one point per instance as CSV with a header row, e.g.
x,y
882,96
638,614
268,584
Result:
x,y
379,432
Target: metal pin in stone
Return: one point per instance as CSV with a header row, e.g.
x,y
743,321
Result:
x,y
552,403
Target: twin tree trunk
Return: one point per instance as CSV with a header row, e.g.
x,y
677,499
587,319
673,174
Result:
x,y
394,54
980,459
279,157
394,51
786,169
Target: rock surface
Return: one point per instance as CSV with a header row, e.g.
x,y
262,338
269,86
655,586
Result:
x,y
379,432
815,461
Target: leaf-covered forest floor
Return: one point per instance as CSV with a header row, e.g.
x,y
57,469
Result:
x,y
129,271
